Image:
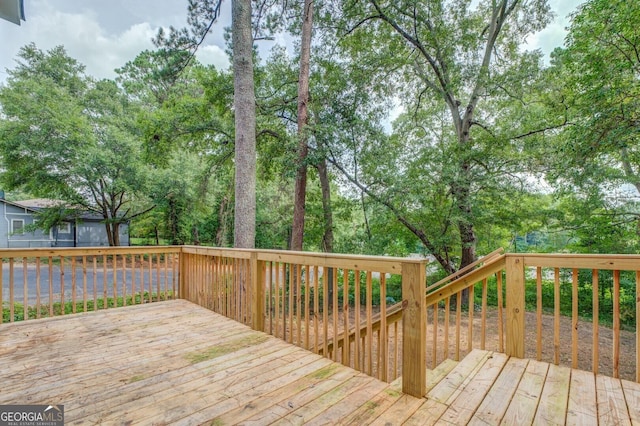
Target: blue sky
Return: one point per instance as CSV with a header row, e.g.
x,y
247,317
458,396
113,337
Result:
x,y
104,35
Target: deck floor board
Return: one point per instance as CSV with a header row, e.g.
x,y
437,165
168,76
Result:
x,y
175,362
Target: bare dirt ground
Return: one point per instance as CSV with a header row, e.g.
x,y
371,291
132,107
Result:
x,y
626,363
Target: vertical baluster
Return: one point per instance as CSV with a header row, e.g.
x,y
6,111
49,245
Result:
x,y
356,340
458,322
596,319
434,353
278,293
383,347
74,284
38,283
142,298
124,280
11,290
84,283
114,271
325,312
298,286
637,326
133,280
95,283
500,312
335,313
291,272
396,351
369,344
273,298
483,327
316,307
574,319
50,260
62,286
556,316
166,276
539,313
158,291
150,264
174,274
616,324
471,309
447,312
307,306
345,316
25,291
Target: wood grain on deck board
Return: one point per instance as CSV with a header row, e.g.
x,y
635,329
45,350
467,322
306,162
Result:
x,y
178,363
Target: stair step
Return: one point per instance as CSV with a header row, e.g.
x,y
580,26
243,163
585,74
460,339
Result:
x,y
440,372
433,376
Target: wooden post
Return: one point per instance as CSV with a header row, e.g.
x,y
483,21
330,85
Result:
x,y
515,306
257,293
414,329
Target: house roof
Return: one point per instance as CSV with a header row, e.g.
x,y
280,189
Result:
x,y
37,204
12,11
40,203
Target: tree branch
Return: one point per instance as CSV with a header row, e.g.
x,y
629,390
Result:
x,y
448,266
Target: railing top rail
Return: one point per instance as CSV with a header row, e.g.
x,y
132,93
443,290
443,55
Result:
x,y
385,264
629,262
491,267
85,251
483,260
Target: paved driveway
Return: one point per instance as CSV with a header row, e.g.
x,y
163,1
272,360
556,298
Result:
x,y
102,280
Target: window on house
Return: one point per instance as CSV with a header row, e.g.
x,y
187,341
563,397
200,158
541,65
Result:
x,y
64,228
17,226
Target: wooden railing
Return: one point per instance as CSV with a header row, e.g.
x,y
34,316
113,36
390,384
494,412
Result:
x,y
375,314
37,283
452,323
441,331
580,311
563,297
317,301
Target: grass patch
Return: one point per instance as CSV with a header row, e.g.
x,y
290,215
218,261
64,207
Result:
x,y
136,378
226,348
392,393
325,372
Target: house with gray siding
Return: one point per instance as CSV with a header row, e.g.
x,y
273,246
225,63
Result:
x,y
86,230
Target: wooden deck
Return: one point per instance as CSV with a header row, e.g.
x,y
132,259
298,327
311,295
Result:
x,y
177,363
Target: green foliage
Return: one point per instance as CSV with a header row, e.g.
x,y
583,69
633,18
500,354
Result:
x,y
66,136
585,295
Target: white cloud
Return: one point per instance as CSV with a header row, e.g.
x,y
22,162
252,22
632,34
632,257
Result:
x,y
554,34
82,36
93,34
213,55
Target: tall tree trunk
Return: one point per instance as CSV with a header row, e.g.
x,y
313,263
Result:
x,y
173,221
113,233
107,227
196,235
327,212
461,191
115,227
221,233
245,126
297,233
